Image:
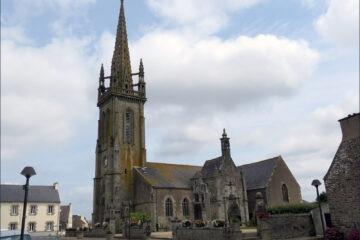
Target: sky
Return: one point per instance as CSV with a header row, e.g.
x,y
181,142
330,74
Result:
x,y
278,75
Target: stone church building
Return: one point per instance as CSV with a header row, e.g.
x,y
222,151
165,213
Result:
x,y
124,179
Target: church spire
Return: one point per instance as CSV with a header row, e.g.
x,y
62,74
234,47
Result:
x,y
225,145
121,67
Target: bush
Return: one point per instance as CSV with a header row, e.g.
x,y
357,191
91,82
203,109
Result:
x,y
199,223
292,208
322,198
186,223
354,235
139,218
333,234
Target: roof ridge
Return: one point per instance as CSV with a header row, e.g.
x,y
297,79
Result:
x,y
177,164
261,161
20,185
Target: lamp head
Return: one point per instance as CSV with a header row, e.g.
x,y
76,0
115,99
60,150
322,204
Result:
x,y
316,183
28,172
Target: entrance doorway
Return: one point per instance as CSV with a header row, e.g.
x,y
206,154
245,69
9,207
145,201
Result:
x,y
197,212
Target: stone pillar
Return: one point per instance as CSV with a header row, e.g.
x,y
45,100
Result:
x,y
263,228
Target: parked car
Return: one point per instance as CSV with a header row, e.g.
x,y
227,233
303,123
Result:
x,y
13,235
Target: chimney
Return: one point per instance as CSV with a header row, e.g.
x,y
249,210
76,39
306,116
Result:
x,y
350,126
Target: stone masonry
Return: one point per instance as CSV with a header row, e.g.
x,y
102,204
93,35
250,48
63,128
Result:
x,y
342,180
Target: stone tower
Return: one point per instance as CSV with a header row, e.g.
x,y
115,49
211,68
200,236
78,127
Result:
x,y
121,129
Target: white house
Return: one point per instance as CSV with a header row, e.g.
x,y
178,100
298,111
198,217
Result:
x,y
43,209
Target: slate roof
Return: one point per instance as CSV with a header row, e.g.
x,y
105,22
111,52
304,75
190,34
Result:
x,y
164,175
37,194
211,166
64,213
257,174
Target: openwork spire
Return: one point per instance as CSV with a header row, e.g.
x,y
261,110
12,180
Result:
x,y
121,67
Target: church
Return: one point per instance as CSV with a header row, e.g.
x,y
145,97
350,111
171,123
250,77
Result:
x,y
123,178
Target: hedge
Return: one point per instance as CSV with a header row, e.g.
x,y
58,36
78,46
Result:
x,y
292,208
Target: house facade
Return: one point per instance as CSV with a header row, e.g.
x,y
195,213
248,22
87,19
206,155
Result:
x,y
43,209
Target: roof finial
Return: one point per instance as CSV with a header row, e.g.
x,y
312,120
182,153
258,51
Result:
x,y
224,133
102,75
141,68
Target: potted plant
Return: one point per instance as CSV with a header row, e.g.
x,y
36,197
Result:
x,y
218,223
186,223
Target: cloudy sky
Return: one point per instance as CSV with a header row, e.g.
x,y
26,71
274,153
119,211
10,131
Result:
x,y
276,74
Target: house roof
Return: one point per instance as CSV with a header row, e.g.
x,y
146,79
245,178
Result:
x,y
164,175
64,213
258,174
37,194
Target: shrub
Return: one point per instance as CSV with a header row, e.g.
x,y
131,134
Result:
x,y
333,234
186,223
199,223
292,208
139,218
354,235
322,198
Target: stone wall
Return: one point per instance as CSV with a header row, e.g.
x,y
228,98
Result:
x,y
286,226
342,181
177,196
206,233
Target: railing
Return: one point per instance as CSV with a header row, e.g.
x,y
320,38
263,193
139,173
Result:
x,y
119,90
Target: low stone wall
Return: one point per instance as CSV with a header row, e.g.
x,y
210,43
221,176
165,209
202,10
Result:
x,y
206,233
286,226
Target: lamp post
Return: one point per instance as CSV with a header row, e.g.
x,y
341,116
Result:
x,y
28,172
316,183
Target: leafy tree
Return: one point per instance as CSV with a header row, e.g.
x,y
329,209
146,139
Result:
x,y
322,197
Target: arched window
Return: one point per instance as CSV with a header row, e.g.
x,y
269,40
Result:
x,y
129,127
168,207
285,193
185,207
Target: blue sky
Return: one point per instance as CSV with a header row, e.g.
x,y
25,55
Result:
x,y
277,74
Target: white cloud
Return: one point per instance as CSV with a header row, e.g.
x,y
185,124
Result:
x,y
46,93
340,23
213,72
206,18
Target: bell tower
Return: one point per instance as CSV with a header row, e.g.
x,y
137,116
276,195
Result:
x,y
121,129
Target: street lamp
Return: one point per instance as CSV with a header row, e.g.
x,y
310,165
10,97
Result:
x,y
316,183
28,172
